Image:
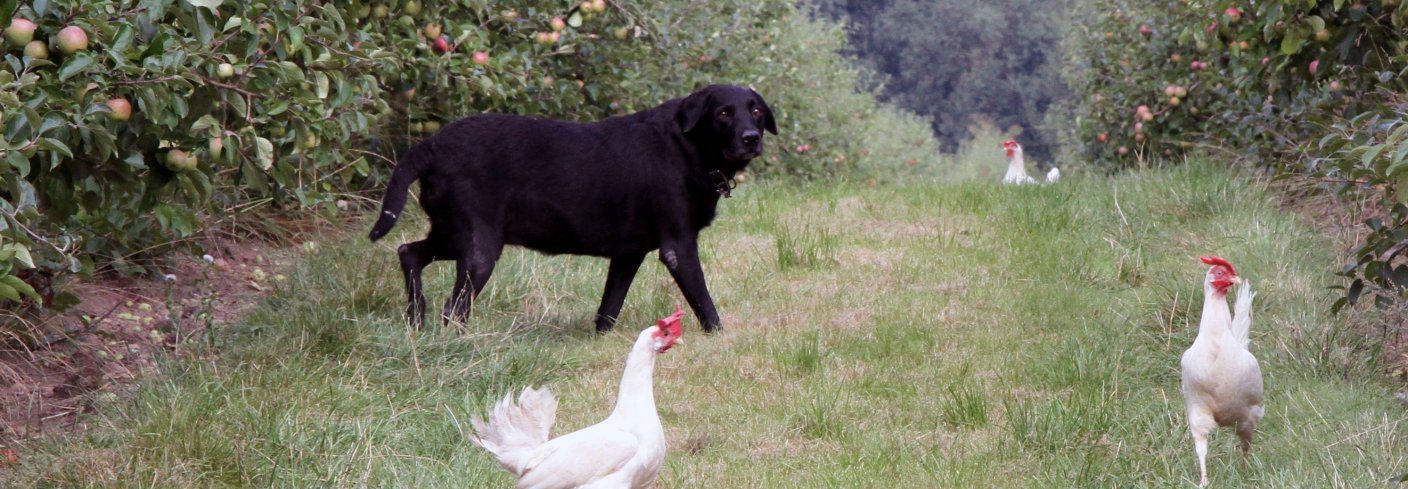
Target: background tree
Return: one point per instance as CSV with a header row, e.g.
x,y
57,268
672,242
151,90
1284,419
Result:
x,y
961,60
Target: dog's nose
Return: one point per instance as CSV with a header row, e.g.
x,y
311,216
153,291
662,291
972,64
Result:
x,y
751,137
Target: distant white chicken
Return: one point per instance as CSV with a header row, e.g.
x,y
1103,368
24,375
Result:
x,y
1222,383
1017,166
624,451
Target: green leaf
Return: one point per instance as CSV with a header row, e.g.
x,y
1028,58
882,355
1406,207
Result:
x,y
75,66
210,4
322,80
21,287
135,160
18,162
56,146
122,40
1316,23
205,122
1291,43
264,150
20,254
1372,153
575,20
9,293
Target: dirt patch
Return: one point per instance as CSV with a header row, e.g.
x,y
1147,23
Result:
x,y
101,347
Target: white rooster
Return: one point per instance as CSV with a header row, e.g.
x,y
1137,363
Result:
x,y
624,451
1222,383
1017,166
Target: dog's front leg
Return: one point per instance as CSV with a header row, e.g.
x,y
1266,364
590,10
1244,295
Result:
x,y
681,258
618,282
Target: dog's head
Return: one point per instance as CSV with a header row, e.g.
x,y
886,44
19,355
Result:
x,y
730,117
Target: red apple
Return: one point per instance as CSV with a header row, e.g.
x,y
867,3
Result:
x,y
1139,137
1147,116
1102,137
1174,101
1145,30
553,37
1335,85
216,144
20,32
1138,127
432,31
121,109
1266,60
442,45
1233,14
558,24
542,38
1180,91
1314,66
1176,58
1168,90
481,58
1123,150
72,39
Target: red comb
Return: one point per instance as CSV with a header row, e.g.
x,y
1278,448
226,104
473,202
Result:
x,y
1217,261
670,325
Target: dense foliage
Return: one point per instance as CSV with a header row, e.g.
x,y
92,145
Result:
x,y
963,62
1304,86
174,116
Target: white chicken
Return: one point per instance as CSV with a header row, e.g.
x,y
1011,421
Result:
x,y
624,451
1222,383
1017,166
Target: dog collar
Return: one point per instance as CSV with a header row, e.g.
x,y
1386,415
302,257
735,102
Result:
x,y
722,184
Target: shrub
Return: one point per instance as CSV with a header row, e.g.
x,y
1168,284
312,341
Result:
x,y
1260,79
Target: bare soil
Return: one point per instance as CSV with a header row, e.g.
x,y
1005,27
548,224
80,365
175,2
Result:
x,y
114,337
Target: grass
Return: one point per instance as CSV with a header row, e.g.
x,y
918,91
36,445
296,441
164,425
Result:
x,y
957,334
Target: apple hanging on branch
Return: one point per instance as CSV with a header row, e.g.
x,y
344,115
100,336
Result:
x,y
72,39
20,32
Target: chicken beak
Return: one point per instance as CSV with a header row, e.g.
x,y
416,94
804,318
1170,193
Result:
x,y
679,342
1236,280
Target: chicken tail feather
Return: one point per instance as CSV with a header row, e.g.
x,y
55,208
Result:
x,y
1242,314
513,430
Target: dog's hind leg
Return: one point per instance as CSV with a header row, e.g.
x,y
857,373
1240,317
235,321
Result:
x,y
618,282
472,271
414,258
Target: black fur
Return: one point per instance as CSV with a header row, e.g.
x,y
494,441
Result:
x,y
617,188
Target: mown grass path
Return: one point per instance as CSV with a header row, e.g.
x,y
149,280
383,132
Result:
x,y
927,335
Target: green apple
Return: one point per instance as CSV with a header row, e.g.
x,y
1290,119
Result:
x,y
179,161
36,50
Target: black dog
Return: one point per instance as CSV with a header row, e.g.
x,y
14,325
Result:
x,y
617,188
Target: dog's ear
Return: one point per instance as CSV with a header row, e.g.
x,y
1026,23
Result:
x,y
693,109
769,122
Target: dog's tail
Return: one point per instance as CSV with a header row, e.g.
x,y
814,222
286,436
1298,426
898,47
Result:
x,y
407,171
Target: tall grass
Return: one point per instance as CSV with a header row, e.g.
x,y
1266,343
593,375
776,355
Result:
x,y
958,334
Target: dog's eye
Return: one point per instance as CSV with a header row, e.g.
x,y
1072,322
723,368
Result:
x,y
726,113
757,113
